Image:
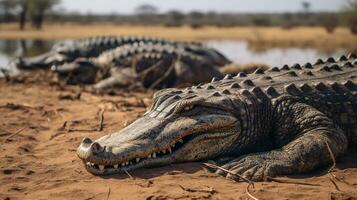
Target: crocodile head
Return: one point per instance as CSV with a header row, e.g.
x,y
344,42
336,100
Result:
x,y
179,127
218,58
81,71
38,62
46,60
211,55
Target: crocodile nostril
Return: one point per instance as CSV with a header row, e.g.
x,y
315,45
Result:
x,y
54,68
96,147
17,61
87,141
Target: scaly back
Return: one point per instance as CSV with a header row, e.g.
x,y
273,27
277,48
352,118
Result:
x,y
329,86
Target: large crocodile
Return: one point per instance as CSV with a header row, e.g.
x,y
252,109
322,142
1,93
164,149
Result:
x,y
151,65
265,124
64,52
68,51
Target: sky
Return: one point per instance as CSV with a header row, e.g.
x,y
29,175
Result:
x,y
240,6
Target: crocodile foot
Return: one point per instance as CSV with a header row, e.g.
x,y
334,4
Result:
x,y
256,167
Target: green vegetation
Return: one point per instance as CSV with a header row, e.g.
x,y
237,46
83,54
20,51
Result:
x,y
350,15
21,10
37,10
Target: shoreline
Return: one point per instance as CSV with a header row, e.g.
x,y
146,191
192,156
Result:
x,y
266,36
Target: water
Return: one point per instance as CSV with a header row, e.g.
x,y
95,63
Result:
x,y
238,51
10,49
243,53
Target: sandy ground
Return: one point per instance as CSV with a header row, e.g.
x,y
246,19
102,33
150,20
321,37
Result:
x,y
316,37
41,126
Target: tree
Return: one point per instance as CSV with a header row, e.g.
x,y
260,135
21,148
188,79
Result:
x,y
38,9
23,4
146,9
18,7
196,15
175,17
329,21
34,9
349,13
196,19
7,6
306,6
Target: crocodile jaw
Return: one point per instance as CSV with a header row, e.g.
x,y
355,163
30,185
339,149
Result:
x,y
138,146
81,71
42,61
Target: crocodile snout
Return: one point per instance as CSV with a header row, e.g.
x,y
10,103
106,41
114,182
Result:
x,y
17,62
88,148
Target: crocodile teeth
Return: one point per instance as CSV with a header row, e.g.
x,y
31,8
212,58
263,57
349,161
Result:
x,y
123,164
127,163
180,140
154,155
149,156
116,166
101,167
137,159
169,149
130,163
173,145
164,151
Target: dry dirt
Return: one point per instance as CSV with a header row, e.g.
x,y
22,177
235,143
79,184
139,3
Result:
x,y
41,126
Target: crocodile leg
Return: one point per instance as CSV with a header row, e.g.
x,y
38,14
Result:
x,y
314,133
119,78
163,77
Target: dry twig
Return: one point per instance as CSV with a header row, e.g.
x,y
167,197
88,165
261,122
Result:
x,y
81,130
127,173
15,106
248,193
12,135
101,120
63,127
60,129
229,172
334,184
291,182
72,97
109,191
250,183
332,168
208,190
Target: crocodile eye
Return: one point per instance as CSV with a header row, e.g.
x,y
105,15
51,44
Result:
x,y
184,107
187,108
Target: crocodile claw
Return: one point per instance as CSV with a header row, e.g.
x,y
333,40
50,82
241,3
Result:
x,y
258,167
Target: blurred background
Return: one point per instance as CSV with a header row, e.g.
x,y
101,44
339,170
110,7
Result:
x,y
270,32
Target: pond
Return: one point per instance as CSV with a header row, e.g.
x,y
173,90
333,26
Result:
x,y
240,52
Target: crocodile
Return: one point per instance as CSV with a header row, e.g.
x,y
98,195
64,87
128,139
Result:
x,y
282,121
64,52
68,51
151,65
